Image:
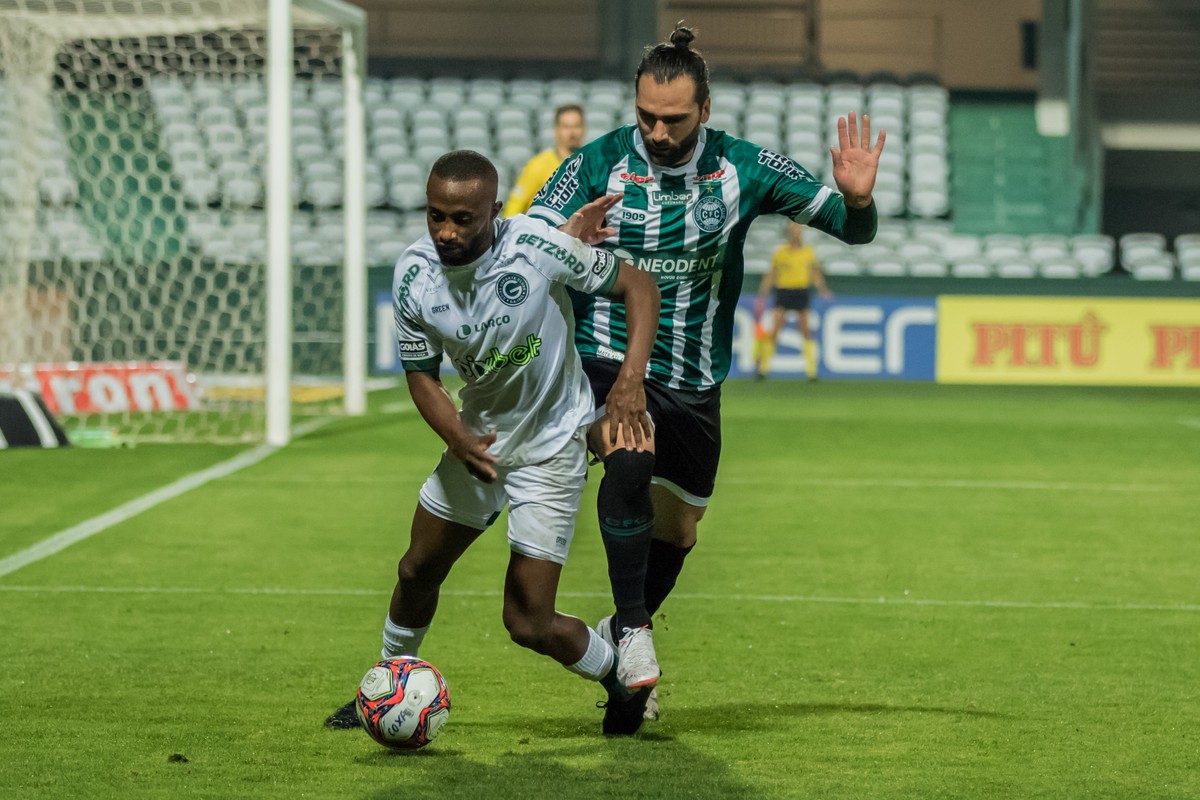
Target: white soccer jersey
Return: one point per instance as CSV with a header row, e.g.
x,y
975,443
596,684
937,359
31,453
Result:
x,y
506,323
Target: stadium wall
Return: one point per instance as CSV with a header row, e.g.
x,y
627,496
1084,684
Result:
x,y
966,44
957,338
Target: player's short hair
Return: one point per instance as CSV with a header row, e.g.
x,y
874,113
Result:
x,y
465,165
675,58
567,109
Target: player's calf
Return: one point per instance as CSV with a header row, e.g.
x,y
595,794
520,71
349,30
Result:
x,y
626,522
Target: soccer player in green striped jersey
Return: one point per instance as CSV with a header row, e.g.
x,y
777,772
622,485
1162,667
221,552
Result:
x,y
690,194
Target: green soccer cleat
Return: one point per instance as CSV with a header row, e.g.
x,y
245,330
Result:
x,y
623,715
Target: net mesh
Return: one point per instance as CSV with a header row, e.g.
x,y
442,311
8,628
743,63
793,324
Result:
x,y
132,231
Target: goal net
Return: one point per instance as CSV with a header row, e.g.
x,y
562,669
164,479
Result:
x,y
134,144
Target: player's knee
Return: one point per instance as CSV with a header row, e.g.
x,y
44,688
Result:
x,y
415,573
527,631
628,471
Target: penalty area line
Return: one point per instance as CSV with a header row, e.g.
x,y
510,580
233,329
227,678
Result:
x,y
88,528
692,596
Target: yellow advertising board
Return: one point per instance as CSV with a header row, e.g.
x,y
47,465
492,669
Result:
x,y
1068,340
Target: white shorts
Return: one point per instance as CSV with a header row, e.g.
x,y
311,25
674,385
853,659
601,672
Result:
x,y
543,499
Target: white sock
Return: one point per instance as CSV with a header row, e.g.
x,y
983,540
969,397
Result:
x,y
398,641
596,661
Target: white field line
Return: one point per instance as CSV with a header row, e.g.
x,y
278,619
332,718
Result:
x,y
706,598
1190,422
848,483
88,528
953,483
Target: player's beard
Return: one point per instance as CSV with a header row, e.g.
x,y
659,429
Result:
x,y
457,255
673,155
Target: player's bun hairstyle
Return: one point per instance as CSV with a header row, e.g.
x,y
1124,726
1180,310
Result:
x,y
674,58
465,165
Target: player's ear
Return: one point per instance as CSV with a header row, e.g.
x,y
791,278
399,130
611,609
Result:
x,y
496,208
704,109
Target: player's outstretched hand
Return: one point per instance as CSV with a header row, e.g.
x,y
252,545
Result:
x,y
626,410
472,450
855,161
587,224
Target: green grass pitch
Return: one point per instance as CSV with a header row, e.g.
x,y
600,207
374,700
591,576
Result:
x,y
901,591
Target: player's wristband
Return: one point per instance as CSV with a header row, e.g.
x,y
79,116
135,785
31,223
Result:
x,y
861,224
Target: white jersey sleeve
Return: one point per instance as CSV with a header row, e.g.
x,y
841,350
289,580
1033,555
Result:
x,y
565,259
419,347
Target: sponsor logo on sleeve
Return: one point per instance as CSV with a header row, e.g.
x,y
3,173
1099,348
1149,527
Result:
x,y
555,195
512,289
782,164
413,348
406,283
556,251
710,214
604,263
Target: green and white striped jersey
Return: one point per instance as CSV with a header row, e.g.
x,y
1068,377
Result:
x,y
687,226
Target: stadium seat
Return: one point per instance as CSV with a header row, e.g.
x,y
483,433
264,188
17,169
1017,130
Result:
x,y
962,246
970,268
1189,268
526,94
892,237
728,95
842,266
887,267
1148,239
446,93
1153,268
1094,253
928,267
929,202
1186,243
1067,270
406,193
915,249
407,92
486,94
1015,269
889,203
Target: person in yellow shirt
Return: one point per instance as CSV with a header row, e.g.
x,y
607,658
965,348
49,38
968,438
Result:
x,y
793,269
568,137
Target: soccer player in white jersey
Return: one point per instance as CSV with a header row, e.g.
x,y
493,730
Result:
x,y
491,295
689,196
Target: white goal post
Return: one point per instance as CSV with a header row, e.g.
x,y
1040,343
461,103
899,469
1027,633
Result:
x,y
148,197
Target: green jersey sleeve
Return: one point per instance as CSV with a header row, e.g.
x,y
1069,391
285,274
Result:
x,y
578,181
791,190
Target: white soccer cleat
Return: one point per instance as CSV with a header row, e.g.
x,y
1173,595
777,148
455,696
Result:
x,y
651,711
637,665
604,628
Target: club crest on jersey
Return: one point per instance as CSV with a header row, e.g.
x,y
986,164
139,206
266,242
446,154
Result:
x,y
710,213
512,289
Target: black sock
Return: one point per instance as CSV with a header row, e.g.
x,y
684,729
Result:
x,y
662,570
626,521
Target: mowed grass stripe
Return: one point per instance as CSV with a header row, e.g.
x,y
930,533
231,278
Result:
x,y
686,596
786,675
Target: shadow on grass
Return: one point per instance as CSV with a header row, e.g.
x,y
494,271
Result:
x,y
566,757
596,768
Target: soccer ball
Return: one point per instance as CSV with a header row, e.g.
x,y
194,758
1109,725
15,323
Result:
x,y
403,702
